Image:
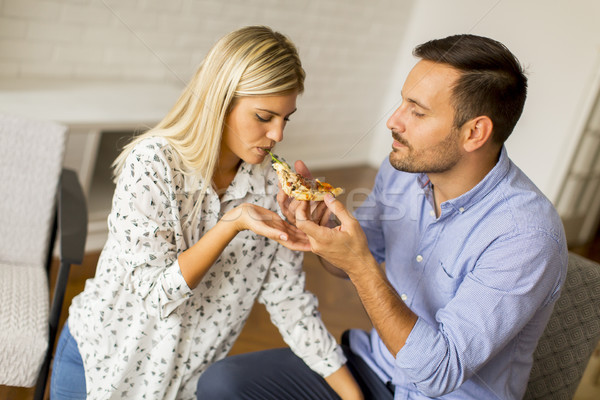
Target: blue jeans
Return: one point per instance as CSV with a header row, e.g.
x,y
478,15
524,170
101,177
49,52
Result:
x,y
68,376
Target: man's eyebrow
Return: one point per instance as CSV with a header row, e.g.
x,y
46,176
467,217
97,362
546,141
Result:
x,y
413,101
275,113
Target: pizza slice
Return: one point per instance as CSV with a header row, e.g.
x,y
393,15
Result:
x,y
300,187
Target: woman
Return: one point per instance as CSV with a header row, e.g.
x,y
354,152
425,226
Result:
x,y
194,239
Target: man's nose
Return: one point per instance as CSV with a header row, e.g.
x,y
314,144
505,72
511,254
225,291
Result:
x,y
396,122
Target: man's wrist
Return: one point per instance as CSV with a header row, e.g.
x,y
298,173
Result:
x,y
365,267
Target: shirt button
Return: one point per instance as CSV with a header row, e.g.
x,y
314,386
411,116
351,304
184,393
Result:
x,y
419,258
462,209
432,213
403,296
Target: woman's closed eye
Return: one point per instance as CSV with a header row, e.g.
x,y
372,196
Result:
x,y
263,118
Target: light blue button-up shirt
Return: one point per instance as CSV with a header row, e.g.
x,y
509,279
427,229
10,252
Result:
x,y
482,278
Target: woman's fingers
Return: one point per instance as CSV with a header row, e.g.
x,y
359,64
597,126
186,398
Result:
x,y
267,223
289,236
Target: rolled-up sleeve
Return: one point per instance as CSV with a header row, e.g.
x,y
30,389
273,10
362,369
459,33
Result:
x,y
294,311
144,223
497,298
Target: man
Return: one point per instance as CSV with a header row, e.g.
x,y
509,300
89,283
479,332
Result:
x,y
474,254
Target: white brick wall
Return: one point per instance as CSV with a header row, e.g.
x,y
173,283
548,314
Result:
x,y
348,49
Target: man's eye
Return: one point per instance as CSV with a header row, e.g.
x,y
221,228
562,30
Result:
x,y
417,114
261,119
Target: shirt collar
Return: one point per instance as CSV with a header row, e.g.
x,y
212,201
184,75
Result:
x,y
491,180
250,178
423,180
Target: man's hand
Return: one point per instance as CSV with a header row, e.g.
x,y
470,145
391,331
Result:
x,y
344,246
288,205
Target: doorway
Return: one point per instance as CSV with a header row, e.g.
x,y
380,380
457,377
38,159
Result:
x,y
579,198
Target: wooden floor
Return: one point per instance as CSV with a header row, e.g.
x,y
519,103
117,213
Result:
x,y
338,303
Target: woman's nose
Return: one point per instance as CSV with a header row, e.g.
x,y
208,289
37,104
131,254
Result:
x,y
276,133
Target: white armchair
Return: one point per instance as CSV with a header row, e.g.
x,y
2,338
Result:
x,y
39,198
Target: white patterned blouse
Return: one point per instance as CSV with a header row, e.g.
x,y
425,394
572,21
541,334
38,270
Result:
x,y
141,332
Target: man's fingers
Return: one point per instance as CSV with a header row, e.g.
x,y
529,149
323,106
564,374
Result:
x,y
281,197
318,209
322,215
301,211
282,200
302,169
304,223
326,218
284,205
338,209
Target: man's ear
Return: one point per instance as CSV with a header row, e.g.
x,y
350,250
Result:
x,y
477,132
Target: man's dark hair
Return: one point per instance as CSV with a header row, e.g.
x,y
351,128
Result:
x,y
492,81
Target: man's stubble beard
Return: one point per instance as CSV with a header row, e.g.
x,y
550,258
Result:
x,y
437,159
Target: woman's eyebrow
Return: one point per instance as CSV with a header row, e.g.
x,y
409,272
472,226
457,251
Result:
x,y
275,113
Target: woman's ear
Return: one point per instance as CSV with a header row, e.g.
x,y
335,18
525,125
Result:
x,y
478,132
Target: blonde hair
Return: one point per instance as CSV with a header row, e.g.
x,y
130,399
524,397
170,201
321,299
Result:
x,y
251,61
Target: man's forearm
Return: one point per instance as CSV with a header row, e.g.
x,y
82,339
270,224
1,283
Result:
x,y
346,247
390,316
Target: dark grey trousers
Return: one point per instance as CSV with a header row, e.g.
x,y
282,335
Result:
x,y
278,374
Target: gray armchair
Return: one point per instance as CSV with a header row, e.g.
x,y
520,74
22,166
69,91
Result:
x,y
40,203
571,335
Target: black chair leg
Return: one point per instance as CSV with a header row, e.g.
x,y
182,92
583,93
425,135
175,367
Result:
x,y
57,303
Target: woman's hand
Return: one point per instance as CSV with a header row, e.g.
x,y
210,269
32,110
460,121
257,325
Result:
x,y
344,384
319,213
267,223
197,260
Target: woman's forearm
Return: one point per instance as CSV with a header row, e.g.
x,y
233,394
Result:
x,y
197,260
343,383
